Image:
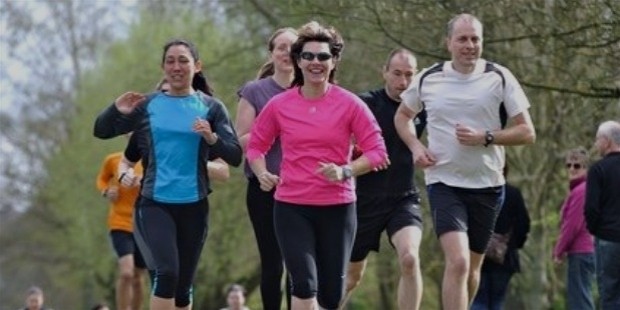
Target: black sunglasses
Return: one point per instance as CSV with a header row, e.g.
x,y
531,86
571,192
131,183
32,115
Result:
x,y
309,56
577,166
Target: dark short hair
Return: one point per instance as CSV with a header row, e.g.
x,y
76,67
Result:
x,y
315,32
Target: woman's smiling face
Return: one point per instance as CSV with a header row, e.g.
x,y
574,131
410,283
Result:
x,y
315,71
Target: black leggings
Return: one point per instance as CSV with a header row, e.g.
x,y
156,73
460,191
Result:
x,y
171,238
316,242
260,208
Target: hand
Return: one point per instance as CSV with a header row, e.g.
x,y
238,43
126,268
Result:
x,y
129,179
112,193
558,260
202,127
331,171
383,165
422,157
268,181
469,136
128,101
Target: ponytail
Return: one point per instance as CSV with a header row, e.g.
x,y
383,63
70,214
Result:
x,y
267,69
199,82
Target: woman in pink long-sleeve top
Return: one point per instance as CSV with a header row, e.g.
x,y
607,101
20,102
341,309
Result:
x,y
575,242
314,213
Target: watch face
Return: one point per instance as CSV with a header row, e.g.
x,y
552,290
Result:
x,y
346,172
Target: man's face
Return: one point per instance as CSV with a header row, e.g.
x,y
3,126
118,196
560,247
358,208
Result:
x,y
601,144
398,74
465,43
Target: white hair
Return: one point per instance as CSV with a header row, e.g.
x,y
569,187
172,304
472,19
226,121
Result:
x,y
611,130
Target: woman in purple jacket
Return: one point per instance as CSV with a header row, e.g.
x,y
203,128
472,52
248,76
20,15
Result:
x,y
575,242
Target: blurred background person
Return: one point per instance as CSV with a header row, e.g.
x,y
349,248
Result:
x,y
129,289
235,298
513,220
274,77
35,299
575,243
603,213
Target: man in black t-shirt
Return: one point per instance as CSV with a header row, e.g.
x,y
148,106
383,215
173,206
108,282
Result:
x,y
387,200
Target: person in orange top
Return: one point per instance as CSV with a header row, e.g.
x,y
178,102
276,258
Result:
x,y
131,266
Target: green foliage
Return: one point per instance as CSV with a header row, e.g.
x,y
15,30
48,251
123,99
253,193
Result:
x,y
564,53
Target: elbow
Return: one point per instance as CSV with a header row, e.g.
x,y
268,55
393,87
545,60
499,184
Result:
x,y
237,157
100,132
530,137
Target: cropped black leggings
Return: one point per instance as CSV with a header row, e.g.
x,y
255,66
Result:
x,y
171,238
316,242
260,208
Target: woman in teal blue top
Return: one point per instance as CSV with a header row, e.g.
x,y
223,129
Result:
x,y
179,131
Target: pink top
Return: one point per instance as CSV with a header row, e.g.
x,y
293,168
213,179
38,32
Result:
x,y
313,131
574,237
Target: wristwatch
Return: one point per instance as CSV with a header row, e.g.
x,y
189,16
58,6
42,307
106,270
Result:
x,y
347,173
488,138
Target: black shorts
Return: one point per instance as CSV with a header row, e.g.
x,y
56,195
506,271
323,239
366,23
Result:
x,y
378,213
123,244
468,210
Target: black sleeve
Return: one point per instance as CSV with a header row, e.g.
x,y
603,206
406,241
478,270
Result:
x,y
522,220
593,192
227,146
111,123
132,150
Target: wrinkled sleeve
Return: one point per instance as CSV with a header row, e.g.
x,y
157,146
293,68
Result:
x,y
106,172
111,123
227,146
571,223
592,203
411,97
367,134
264,132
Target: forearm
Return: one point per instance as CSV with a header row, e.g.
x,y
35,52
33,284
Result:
x,y
243,141
218,170
258,166
515,135
111,123
360,166
405,128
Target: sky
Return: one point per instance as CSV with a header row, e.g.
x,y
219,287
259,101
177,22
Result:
x,y
13,72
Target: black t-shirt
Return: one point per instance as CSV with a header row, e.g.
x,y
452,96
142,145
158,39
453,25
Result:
x,y
397,179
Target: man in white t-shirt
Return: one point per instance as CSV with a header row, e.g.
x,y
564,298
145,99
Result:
x,y
468,102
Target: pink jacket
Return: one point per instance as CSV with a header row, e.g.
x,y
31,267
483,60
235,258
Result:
x,y
574,237
313,131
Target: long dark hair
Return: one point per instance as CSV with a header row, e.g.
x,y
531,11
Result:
x,y
199,81
315,32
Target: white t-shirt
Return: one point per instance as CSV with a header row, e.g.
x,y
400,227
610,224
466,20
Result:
x,y
452,98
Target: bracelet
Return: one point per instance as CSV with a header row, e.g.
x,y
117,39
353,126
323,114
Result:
x,y
121,177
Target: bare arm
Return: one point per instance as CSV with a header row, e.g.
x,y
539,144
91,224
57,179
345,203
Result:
x,y
218,170
407,132
520,131
243,123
